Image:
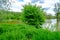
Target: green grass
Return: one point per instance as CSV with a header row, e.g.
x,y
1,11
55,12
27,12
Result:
x,y
25,32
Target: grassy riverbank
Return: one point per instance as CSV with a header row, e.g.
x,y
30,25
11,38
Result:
x,y
25,32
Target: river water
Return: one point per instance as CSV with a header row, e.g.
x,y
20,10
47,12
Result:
x,y
52,24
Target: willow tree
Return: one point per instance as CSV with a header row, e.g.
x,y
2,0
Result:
x,y
5,4
57,11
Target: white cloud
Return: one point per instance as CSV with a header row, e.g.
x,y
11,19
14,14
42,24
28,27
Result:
x,y
27,1
17,5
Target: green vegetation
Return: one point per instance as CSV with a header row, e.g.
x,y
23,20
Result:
x,y
58,15
8,15
57,10
18,29
50,16
33,15
25,32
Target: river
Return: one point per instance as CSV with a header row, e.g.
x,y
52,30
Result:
x,y
51,24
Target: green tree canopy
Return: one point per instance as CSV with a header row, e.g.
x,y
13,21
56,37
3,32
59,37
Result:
x,y
33,15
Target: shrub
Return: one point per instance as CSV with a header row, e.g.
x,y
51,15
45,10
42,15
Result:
x,y
33,15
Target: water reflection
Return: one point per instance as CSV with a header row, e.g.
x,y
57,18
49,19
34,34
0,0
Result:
x,y
58,25
51,24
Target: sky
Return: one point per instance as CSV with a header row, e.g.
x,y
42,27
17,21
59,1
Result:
x,y
47,5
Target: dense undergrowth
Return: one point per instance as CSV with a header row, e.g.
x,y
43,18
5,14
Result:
x,y
25,32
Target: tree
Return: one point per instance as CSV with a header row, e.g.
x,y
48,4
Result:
x,y
5,4
57,10
33,15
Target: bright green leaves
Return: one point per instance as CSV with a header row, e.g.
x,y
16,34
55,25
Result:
x,y
33,15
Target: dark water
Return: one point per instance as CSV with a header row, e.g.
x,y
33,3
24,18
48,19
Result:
x,y
52,24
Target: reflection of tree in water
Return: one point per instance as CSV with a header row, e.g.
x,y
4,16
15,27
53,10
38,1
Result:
x,y
58,21
50,24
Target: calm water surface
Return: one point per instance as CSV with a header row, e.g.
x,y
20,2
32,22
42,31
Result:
x,y
52,24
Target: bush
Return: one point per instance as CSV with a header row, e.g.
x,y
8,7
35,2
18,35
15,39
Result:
x,y
33,15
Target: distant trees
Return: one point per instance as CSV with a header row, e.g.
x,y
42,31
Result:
x,y
50,16
9,16
5,4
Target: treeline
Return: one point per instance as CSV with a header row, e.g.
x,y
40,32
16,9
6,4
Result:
x,y
50,16
9,15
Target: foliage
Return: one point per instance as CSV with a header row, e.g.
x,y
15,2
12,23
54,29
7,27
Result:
x,y
50,16
25,32
8,15
5,4
57,10
33,15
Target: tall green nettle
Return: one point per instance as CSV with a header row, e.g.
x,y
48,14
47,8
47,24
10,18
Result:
x,y
33,15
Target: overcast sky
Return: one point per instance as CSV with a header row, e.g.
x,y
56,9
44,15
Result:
x,y
48,5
